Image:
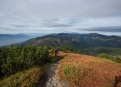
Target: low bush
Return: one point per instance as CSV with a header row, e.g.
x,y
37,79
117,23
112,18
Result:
x,y
115,59
28,78
18,58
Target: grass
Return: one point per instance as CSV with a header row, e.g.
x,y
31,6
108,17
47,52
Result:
x,y
88,71
28,78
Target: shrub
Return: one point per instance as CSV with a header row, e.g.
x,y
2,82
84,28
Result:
x,y
16,58
115,59
28,78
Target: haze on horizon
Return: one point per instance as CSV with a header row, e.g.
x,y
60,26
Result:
x,y
56,16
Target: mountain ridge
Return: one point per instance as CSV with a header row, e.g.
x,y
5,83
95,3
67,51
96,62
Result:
x,y
78,41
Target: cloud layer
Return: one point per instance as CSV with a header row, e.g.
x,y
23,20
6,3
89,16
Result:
x,y
54,16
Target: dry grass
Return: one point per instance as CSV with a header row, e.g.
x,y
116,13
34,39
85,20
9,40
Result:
x,y
29,78
88,71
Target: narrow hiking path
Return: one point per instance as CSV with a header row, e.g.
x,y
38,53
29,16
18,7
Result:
x,y
52,79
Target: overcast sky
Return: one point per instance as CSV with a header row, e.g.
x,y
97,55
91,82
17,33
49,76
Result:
x,y
55,16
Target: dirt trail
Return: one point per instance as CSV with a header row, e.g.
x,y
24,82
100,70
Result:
x,y
52,80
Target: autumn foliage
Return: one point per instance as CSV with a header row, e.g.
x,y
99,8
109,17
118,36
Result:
x,y
28,78
88,71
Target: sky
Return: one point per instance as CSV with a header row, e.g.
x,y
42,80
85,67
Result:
x,y
56,16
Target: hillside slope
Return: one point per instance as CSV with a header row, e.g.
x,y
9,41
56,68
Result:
x,y
88,71
74,70
78,41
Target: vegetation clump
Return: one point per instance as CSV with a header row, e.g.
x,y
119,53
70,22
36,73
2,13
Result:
x,y
70,70
28,78
17,58
113,58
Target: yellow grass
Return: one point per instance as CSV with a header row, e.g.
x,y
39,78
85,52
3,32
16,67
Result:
x,y
88,71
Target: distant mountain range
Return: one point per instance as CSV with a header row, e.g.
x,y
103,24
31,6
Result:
x,y
8,39
78,41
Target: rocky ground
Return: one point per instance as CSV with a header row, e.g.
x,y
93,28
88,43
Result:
x,y
52,78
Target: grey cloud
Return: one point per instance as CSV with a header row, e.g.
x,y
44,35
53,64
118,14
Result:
x,y
59,15
104,29
21,26
57,25
8,29
62,8
49,25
